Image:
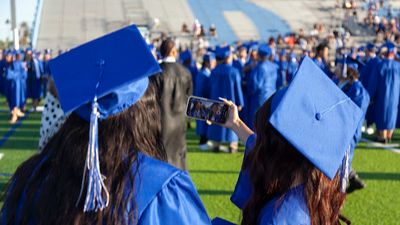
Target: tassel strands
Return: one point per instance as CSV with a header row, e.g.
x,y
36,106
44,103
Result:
x,y
95,186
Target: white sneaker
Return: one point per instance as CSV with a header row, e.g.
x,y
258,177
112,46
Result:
x,y
370,130
204,147
223,148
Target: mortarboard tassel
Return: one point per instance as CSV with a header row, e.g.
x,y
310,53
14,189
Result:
x,y
344,173
94,195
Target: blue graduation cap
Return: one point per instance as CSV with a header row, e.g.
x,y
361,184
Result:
x,y
61,51
390,47
317,118
282,53
223,52
186,55
361,48
98,79
349,61
370,46
265,50
209,56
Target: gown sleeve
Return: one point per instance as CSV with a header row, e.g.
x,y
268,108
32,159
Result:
x,y
243,189
177,203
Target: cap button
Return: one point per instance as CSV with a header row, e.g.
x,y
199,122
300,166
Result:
x,y
318,116
101,62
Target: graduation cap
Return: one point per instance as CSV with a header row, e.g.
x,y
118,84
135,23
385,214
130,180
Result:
x,y
48,51
186,55
349,61
98,79
370,46
265,50
390,47
209,56
317,118
223,52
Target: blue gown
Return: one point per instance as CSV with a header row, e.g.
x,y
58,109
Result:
x,y
323,67
261,84
35,87
289,208
225,83
2,77
387,95
370,81
244,114
202,90
360,96
283,67
16,85
193,71
163,194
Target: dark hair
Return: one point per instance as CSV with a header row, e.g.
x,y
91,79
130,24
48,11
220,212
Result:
x,y
352,74
166,47
51,181
206,64
275,166
321,47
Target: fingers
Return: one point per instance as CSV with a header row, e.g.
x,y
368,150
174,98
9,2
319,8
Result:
x,y
229,103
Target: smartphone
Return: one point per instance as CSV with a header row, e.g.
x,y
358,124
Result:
x,y
206,109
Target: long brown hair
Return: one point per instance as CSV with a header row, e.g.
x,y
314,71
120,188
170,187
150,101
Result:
x,y
275,166
49,183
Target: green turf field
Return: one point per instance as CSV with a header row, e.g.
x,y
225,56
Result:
x,y
215,174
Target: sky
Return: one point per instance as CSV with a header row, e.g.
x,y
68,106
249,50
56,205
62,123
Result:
x,y
25,10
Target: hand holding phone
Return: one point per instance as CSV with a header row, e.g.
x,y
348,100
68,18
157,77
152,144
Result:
x,y
206,109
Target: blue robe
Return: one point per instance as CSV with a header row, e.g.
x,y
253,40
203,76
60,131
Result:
x,y
2,77
370,81
16,85
193,71
238,65
35,87
162,194
225,83
323,67
283,67
244,114
360,97
387,95
261,84
289,208
202,90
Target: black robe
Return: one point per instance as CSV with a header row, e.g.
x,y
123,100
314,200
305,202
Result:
x,y
175,86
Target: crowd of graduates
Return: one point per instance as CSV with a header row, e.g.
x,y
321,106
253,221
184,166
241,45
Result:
x,y
285,105
23,75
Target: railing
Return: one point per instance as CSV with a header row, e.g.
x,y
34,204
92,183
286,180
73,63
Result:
x,y
36,23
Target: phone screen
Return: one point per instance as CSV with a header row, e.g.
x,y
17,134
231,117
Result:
x,y
206,109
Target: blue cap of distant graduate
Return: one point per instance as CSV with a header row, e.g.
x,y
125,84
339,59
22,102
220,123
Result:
x,y
316,117
265,50
185,55
223,52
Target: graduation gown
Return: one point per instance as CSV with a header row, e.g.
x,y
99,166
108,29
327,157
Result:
x,y
16,85
293,65
369,79
360,97
202,90
283,72
35,87
2,77
225,83
387,94
261,84
244,114
162,194
288,208
193,71
175,86
323,67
